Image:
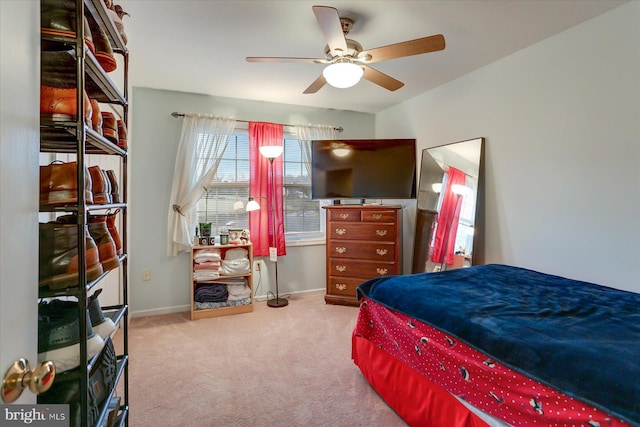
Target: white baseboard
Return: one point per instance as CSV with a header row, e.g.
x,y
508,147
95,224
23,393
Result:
x,y
263,297
159,311
182,308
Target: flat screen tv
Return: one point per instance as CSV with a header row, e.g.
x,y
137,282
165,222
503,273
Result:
x,y
363,169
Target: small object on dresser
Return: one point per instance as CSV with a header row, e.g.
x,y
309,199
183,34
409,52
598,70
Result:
x,y
224,237
205,229
234,235
212,240
204,241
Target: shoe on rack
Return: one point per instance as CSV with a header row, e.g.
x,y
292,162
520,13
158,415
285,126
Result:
x,y
103,326
59,185
58,256
107,185
58,19
58,68
116,13
110,220
59,104
101,383
109,126
98,186
104,52
122,134
115,189
96,116
59,334
100,234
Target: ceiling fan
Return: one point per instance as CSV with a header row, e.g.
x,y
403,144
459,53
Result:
x,y
347,60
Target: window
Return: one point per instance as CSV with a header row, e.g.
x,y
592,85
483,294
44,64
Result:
x,y
230,185
301,213
302,216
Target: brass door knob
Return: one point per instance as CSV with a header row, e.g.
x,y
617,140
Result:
x,y
20,376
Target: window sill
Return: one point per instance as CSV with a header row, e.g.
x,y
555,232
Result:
x,y
306,241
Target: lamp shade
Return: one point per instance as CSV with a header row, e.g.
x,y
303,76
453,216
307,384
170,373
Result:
x,y
343,74
460,190
252,205
271,151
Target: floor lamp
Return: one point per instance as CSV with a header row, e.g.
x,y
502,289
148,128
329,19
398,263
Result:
x,y
271,152
459,190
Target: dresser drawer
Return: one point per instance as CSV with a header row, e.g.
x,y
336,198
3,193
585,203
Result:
x,y
344,267
362,231
379,216
345,286
374,251
345,215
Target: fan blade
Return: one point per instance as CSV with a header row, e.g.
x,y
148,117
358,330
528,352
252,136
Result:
x,y
316,85
329,22
381,79
286,59
408,48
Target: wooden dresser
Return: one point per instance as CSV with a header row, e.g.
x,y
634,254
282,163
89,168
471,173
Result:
x,y
363,242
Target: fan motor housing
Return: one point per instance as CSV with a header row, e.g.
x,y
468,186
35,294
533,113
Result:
x,y
353,49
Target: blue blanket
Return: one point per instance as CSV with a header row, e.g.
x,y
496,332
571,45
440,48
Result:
x,y
577,337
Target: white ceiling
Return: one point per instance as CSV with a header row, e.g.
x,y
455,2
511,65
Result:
x,y
200,46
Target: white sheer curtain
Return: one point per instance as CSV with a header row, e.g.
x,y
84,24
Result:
x,y
307,133
202,143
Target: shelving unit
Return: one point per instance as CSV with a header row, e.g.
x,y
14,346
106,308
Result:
x,y
248,276
75,137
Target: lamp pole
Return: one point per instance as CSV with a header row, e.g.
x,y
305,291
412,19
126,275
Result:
x,y
459,190
443,266
271,152
278,302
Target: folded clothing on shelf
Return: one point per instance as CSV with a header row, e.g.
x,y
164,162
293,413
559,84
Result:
x,y
207,265
205,275
211,293
238,291
204,255
236,253
230,267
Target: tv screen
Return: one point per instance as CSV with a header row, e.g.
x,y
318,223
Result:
x,y
363,169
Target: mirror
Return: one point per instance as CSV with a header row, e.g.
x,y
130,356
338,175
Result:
x,y
449,222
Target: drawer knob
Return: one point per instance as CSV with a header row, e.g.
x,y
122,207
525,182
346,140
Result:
x,y
377,216
381,271
341,250
341,268
381,252
341,231
344,215
341,286
381,233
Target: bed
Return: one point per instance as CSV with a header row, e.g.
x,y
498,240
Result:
x,y
500,345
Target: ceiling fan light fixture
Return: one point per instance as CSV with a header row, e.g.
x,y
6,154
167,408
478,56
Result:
x,y
343,74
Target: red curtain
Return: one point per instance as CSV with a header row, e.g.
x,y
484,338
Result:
x,y
260,188
448,218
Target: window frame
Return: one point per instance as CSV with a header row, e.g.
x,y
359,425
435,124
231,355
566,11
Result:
x,y
292,238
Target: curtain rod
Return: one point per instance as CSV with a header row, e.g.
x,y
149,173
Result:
x,y
176,115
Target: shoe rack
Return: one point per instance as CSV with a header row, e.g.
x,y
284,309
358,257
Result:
x,y
73,135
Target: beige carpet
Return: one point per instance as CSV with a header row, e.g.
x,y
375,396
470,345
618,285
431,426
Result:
x,y
286,366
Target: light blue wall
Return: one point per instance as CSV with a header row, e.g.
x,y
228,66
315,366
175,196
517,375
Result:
x,y
154,137
562,126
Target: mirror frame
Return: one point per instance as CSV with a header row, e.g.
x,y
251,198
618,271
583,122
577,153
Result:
x,y
426,219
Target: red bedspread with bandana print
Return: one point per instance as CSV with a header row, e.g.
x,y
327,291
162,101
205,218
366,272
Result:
x,y
472,375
